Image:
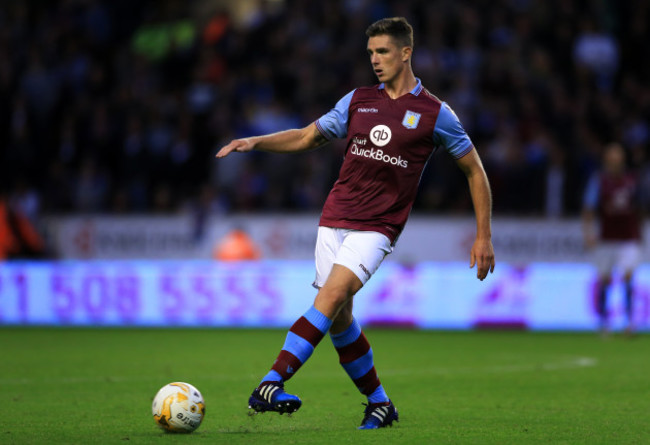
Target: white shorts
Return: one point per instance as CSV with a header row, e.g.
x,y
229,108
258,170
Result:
x,y
625,255
360,251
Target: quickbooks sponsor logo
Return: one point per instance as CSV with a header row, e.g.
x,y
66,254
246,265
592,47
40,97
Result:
x,y
380,135
378,155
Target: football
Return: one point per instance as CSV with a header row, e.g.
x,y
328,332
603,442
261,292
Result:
x,y
178,407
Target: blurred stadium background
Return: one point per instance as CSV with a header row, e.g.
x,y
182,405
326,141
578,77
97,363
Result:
x,y
111,112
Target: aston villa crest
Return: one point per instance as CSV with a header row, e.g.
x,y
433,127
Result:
x,y
411,120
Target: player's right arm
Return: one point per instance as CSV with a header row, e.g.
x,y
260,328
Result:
x,y
333,124
288,141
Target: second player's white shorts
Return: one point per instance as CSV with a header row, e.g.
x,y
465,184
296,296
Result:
x,y
625,255
360,251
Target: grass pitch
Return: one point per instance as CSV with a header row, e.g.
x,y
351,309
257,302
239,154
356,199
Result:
x,y
81,386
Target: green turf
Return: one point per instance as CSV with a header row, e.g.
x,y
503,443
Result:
x,y
82,386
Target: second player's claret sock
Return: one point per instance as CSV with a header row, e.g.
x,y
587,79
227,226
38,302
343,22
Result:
x,y
301,340
355,355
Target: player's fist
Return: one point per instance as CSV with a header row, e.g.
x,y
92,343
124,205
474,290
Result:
x,y
238,145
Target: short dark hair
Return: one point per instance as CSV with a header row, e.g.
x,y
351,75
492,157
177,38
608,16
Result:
x,y
396,27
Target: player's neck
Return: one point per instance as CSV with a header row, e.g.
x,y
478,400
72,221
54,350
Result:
x,y
401,85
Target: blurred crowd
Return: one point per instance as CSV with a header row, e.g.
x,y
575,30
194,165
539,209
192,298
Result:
x,y
118,106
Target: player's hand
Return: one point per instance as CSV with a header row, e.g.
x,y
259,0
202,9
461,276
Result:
x,y
238,145
482,255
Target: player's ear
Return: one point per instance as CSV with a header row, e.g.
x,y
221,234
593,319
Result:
x,y
407,51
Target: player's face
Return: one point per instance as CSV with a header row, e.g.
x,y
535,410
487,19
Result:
x,y
614,158
387,59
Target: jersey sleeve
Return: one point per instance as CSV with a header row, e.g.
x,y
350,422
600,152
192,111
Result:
x,y
449,133
334,124
592,193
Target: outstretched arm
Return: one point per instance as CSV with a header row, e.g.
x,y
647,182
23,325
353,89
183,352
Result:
x,y
289,141
482,253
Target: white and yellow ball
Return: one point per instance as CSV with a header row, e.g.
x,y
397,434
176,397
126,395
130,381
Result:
x,y
178,407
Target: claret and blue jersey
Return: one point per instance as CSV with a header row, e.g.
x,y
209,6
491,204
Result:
x,y
389,142
617,201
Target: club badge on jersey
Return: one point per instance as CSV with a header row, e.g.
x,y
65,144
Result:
x,y
411,119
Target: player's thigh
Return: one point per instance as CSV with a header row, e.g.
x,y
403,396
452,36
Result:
x,y
328,243
629,256
362,252
605,258
341,281
337,292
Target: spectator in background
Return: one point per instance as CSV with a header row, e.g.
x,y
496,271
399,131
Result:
x,y
237,245
612,197
18,237
598,52
143,87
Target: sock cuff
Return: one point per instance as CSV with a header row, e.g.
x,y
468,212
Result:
x,y
378,396
272,376
348,336
318,319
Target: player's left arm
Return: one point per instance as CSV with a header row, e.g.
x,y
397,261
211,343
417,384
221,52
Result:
x,y
482,253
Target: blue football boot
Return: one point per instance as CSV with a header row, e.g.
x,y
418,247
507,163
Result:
x,y
379,415
270,396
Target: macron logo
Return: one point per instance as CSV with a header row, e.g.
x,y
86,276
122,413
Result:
x,y
367,110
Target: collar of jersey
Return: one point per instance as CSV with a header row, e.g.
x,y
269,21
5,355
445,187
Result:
x,y
415,91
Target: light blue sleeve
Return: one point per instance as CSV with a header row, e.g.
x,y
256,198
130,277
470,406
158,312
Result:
x,y
334,124
449,133
592,193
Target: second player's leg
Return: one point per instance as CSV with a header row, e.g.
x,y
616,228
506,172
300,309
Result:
x,y
631,254
629,301
602,289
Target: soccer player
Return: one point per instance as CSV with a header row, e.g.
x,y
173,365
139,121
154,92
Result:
x,y
613,197
392,129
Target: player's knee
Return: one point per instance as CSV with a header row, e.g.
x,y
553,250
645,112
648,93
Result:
x,y
344,316
342,321
346,310
339,297
336,297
